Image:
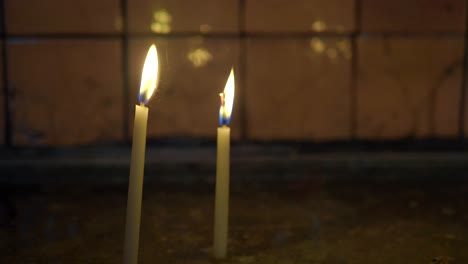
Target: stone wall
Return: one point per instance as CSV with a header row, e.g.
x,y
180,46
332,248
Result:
x,y
306,70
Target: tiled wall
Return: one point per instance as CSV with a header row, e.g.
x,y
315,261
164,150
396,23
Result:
x,y
307,70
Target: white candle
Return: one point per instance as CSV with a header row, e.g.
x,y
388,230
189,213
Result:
x,y
222,171
135,188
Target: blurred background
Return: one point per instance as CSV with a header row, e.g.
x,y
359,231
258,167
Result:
x,y
306,71
349,129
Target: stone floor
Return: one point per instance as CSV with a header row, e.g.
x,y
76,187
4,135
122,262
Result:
x,y
309,221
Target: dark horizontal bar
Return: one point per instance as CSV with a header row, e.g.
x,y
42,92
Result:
x,y
409,143
248,163
246,153
411,34
65,36
174,35
238,35
245,35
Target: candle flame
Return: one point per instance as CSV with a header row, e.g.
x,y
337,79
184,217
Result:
x,y
149,76
227,100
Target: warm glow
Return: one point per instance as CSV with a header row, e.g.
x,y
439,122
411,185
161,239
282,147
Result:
x,y
200,57
161,21
227,100
150,75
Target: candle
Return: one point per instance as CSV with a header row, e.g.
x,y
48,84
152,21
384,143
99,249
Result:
x,y
222,170
148,85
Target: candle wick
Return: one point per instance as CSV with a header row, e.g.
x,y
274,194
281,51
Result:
x,y
222,98
142,104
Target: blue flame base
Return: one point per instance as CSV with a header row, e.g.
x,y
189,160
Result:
x,y
223,120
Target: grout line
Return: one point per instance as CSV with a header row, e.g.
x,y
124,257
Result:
x,y
234,35
72,36
461,114
354,71
125,82
354,89
6,98
243,69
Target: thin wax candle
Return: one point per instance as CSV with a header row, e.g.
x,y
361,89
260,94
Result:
x,y
222,170
148,85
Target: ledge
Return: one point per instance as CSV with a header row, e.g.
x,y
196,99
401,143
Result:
x,y
248,163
